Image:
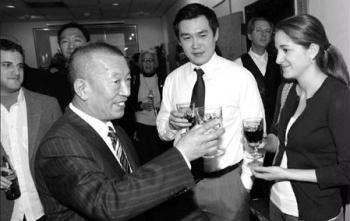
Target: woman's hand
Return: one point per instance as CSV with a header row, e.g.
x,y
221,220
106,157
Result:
x,y
270,173
280,174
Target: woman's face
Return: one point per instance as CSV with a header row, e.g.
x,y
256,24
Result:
x,y
293,58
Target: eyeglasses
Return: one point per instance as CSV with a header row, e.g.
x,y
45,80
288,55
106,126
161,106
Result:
x,y
263,31
147,60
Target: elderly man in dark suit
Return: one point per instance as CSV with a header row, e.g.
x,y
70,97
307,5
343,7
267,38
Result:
x,y
25,118
86,168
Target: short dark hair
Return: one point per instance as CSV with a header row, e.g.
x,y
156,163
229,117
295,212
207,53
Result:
x,y
90,48
192,11
73,25
251,23
7,45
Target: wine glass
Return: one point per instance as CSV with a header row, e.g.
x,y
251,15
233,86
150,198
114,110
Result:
x,y
204,114
253,129
188,112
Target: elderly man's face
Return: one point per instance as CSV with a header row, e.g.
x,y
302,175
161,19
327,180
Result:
x,y
108,86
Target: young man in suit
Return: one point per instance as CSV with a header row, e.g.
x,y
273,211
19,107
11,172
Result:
x,y
221,193
25,118
86,168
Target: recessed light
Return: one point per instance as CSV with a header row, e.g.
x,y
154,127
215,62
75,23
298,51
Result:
x,y
10,6
115,4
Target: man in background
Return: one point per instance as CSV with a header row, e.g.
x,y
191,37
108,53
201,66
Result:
x,y
262,65
25,118
70,36
86,168
220,193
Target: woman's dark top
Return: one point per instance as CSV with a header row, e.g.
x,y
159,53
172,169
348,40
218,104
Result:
x,y
319,139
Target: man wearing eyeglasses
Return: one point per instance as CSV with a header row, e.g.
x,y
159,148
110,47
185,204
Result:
x,y
262,64
267,75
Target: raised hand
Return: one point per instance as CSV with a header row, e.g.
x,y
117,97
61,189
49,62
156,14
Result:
x,y
201,140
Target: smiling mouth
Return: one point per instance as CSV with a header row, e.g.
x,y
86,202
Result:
x,y
121,103
198,54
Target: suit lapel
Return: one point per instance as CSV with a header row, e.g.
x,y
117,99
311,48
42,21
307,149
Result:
x,y
97,144
33,119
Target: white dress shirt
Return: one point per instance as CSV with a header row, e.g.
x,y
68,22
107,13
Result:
x,y
226,84
14,138
259,60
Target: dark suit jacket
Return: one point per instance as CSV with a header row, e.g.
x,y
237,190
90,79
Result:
x,y
78,177
42,112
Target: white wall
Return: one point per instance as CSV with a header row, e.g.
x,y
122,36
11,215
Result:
x,y
335,17
150,34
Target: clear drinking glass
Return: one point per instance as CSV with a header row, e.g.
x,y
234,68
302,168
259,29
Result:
x,y
204,114
253,129
188,110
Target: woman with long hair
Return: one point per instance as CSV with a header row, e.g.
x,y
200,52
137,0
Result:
x,y
312,162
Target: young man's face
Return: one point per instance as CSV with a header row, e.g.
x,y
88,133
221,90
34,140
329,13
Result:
x,y
11,74
197,39
71,38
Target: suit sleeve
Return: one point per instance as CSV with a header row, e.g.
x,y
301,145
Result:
x,y
76,179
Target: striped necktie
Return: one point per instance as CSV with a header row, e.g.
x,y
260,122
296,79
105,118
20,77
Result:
x,y
123,160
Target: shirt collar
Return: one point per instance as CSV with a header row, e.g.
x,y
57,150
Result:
x,y
209,67
20,99
99,126
20,96
260,57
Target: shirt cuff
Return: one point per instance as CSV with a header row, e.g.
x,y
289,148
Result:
x,y
247,177
186,160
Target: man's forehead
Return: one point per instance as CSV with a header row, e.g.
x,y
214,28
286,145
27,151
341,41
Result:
x,y
69,32
109,62
194,25
11,56
262,23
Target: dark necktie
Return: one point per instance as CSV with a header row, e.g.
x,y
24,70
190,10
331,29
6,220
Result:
x,y
198,97
119,150
198,92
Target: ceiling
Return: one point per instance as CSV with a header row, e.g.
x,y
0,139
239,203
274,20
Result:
x,y
48,10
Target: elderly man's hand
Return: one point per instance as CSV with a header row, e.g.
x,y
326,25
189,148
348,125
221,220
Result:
x,y
201,140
